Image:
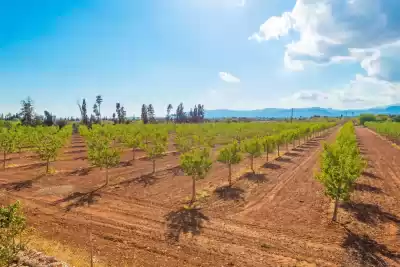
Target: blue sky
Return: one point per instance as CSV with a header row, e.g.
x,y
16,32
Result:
x,y
232,54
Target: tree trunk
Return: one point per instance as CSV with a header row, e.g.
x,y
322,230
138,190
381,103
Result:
x,y
267,156
287,146
154,166
193,190
4,160
334,218
99,114
278,151
230,174
133,154
106,175
47,165
252,164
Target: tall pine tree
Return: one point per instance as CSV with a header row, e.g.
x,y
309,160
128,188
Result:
x,y
144,117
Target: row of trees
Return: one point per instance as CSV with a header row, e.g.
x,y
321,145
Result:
x,y
44,141
389,129
194,146
195,115
341,164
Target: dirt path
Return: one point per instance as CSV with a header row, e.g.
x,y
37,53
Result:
x,y
372,217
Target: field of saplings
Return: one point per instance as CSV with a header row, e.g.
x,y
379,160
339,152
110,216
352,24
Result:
x,y
210,194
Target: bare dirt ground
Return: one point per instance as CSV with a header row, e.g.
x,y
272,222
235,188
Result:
x,y
279,217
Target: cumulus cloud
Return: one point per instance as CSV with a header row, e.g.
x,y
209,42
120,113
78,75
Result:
x,y
229,78
338,30
361,92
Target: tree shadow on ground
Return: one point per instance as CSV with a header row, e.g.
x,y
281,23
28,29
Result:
x,y
79,199
75,151
229,193
367,188
80,171
283,159
33,166
291,154
146,180
20,185
298,149
80,158
270,165
370,175
367,251
255,177
125,163
78,146
184,221
369,213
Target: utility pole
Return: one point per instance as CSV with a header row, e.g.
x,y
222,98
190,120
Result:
x,y
291,117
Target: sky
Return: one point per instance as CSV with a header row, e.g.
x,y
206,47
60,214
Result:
x,y
225,54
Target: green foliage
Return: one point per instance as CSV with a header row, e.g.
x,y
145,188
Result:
x,y
156,147
254,148
230,155
12,225
389,129
341,165
196,163
101,153
47,146
132,139
7,143
367,117
269,144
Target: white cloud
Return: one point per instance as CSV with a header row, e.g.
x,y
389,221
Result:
x,y
330,30
361,92
229,78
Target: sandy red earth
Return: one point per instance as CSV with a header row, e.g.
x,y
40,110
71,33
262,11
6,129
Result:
x,y
279,217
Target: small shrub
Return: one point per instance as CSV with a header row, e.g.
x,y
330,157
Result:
x,y
12,225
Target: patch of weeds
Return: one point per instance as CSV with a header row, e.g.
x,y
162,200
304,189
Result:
x,y
265,246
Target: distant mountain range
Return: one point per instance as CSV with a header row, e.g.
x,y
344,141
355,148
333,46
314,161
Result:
x,y
298,112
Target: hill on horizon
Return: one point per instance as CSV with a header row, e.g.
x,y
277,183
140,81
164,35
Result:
x,y
299,112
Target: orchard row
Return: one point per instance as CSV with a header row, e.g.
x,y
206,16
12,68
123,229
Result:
x,y
195,143
390,129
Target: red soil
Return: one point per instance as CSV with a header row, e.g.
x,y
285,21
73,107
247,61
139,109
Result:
x,y
279,217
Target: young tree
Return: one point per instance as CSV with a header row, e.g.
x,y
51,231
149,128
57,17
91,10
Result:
x,y
269,145
7,143
156,147
12,226
253,147
150,113
27,112
144,116
169,108
99,101
230,155
132,139
102,154
47,147
196,163
341,165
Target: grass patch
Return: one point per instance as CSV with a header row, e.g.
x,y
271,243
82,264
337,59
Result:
x,y
70,255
